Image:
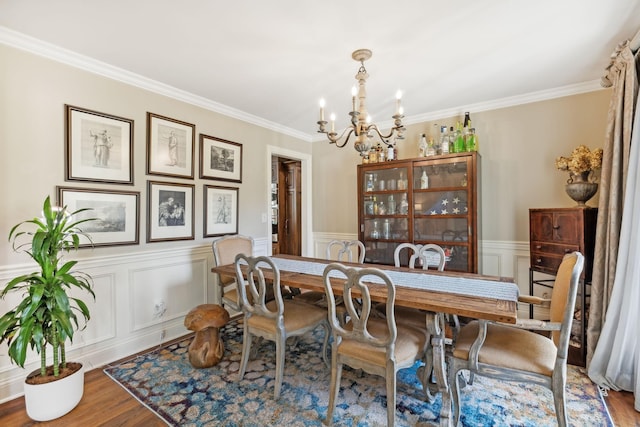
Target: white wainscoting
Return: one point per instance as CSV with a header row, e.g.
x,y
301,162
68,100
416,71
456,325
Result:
x,y
124,319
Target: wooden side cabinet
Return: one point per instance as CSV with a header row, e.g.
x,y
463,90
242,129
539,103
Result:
x,y
552,234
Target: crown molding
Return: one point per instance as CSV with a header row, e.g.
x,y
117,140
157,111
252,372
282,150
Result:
x,y
56,53
67,57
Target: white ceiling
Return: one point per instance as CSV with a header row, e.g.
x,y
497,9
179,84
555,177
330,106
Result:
x,y
271,61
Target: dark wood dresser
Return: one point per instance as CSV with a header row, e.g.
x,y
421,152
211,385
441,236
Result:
x,y
553,233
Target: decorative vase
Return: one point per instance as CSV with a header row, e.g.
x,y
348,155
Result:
x,y
580,189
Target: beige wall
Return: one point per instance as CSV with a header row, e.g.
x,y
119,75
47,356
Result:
x,y
518,147
34,91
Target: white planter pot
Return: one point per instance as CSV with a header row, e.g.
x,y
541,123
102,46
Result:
x,y
52,400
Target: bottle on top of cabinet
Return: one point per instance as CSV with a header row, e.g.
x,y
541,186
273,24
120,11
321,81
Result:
x,y
422,146
472,140
444,140
431,147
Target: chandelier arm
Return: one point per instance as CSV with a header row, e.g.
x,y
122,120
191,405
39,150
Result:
x,y
333,139
380,135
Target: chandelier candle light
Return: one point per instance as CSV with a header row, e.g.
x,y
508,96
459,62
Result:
x,y
361,126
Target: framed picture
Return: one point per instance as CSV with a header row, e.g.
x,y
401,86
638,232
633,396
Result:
x,y
170,214
99,147
220,159
220,210
116,212
170,146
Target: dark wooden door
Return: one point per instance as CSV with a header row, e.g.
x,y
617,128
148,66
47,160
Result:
x,y
290,203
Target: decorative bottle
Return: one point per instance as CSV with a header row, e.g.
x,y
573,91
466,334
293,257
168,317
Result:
x,y
431,147
375,233
386,229
401,183
422,146
391,205
404,205
424,180
459,140
444,140
472,140
369,182
391,153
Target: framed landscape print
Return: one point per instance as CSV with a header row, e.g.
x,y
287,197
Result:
x,y
170,146
99,147
220,159
170,214
116,212
220,210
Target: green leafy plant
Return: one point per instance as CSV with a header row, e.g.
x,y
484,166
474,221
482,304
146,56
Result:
x,y
46,315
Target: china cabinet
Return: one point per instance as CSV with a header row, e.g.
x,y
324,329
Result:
x,y
552,234
422,200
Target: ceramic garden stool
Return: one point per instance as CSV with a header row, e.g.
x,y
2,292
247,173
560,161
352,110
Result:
x,y
207,348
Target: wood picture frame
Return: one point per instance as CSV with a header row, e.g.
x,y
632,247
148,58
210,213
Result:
x,y
220,159
220,210
170,146
117,214
170,211
98,147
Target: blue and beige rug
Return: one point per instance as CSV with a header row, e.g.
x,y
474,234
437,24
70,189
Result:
x,y
165,382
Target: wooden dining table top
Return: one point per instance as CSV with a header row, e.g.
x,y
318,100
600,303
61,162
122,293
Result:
x,y
479,306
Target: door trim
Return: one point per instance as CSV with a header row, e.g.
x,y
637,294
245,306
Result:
x,y
306,216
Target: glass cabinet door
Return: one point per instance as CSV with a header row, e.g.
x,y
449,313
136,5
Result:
x,y
385,209
441,210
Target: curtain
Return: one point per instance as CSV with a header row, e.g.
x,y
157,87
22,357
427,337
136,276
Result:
x,y
613,352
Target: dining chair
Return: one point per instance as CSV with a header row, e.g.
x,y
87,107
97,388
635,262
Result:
x,y
225,250
429,255
522,352
346,251
377,346
274,320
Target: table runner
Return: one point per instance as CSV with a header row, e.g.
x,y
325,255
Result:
x,y
418,280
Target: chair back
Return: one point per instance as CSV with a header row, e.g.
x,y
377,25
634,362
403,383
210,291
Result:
x,y
424,253
354,287
258,289
347,248
432,254
227,247
563,298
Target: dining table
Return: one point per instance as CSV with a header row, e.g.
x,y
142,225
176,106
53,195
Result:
x,y
437,293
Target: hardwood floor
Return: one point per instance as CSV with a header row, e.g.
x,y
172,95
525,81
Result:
x,y
105,403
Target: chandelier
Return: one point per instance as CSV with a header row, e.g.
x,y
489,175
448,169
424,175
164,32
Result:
x,y
361,126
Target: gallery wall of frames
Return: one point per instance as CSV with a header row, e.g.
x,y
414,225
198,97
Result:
x,y
99,150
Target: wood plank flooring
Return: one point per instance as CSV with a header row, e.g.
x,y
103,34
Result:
x,y
105,403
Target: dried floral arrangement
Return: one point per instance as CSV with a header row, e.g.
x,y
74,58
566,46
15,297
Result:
x,y
581,160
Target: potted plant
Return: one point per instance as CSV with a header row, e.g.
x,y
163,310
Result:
x,y
46,316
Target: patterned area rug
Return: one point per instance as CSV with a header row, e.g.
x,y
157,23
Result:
x,y
165,382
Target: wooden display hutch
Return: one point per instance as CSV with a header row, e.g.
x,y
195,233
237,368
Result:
x,y
554,233
395,207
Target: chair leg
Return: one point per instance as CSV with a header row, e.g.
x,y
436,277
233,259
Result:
x,y
391,396
558,387
246,349
456,381
334,388
280,350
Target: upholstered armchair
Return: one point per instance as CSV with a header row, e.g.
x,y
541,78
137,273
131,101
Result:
x,y
510,352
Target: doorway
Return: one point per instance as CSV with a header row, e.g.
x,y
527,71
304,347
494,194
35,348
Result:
x,y
286,205
306,188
